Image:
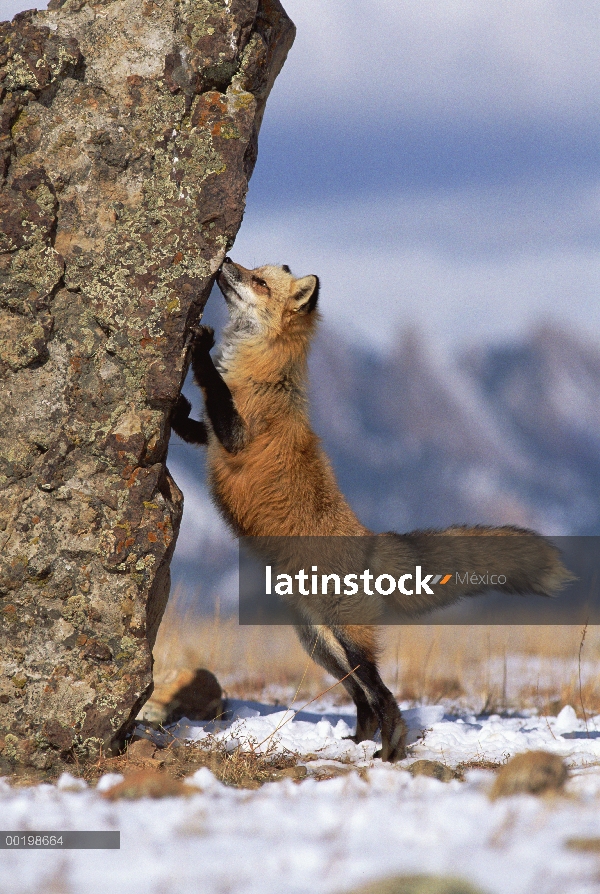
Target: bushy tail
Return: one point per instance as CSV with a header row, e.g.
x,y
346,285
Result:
x,y
465,561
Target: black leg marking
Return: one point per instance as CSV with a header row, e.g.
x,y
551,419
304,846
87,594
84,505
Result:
x,y
190,430
367,721
380,701
227,423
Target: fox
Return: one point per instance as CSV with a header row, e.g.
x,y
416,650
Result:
x,y
270,477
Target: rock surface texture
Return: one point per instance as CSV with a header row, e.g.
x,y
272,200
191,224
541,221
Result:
x,y
128,133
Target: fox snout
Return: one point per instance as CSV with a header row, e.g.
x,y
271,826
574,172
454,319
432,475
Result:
x,y
227,277
227,268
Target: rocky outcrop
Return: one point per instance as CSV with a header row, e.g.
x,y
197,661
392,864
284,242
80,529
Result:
x,y
128,134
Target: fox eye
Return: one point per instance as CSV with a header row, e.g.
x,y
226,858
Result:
x,y
259,282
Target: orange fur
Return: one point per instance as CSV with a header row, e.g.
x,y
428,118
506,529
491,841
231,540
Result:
x,y
282,483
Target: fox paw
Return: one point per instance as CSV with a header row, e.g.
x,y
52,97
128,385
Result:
x,y
203,339
181,410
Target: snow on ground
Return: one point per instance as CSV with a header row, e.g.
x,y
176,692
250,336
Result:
x,y
328,836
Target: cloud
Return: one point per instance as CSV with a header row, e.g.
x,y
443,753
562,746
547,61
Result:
x,y
387,97
436,164
448,58
463,266
298,160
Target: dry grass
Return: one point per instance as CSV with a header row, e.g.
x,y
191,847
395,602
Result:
x,y
495,669
247,765
483,669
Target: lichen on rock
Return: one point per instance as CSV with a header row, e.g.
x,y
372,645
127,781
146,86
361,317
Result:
x,y
128,134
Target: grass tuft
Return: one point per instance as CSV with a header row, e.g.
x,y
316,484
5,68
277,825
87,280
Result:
x,y
247,763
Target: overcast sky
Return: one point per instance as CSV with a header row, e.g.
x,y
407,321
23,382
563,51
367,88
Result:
x,y
435,163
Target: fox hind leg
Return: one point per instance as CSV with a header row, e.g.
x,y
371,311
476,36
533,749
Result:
x,y
375,704
326,651
380,700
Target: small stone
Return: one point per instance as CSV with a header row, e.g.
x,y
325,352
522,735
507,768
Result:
x,y
584,845
297,772
41,760
195,694
533,772
147,784
434,769
141,749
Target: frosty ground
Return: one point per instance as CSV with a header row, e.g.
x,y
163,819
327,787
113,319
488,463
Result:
x,y
367,821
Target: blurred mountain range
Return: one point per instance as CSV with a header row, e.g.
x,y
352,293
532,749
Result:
x,y
504,434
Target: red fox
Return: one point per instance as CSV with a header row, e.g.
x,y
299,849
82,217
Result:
x,y
271,478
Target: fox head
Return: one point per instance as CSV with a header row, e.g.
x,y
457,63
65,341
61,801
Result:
x,y
268,300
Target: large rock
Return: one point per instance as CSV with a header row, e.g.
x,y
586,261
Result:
x,y
128,134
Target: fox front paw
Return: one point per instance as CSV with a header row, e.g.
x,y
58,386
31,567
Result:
x,y
181,411
203,339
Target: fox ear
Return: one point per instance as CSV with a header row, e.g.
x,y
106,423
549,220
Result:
x,y
306,294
